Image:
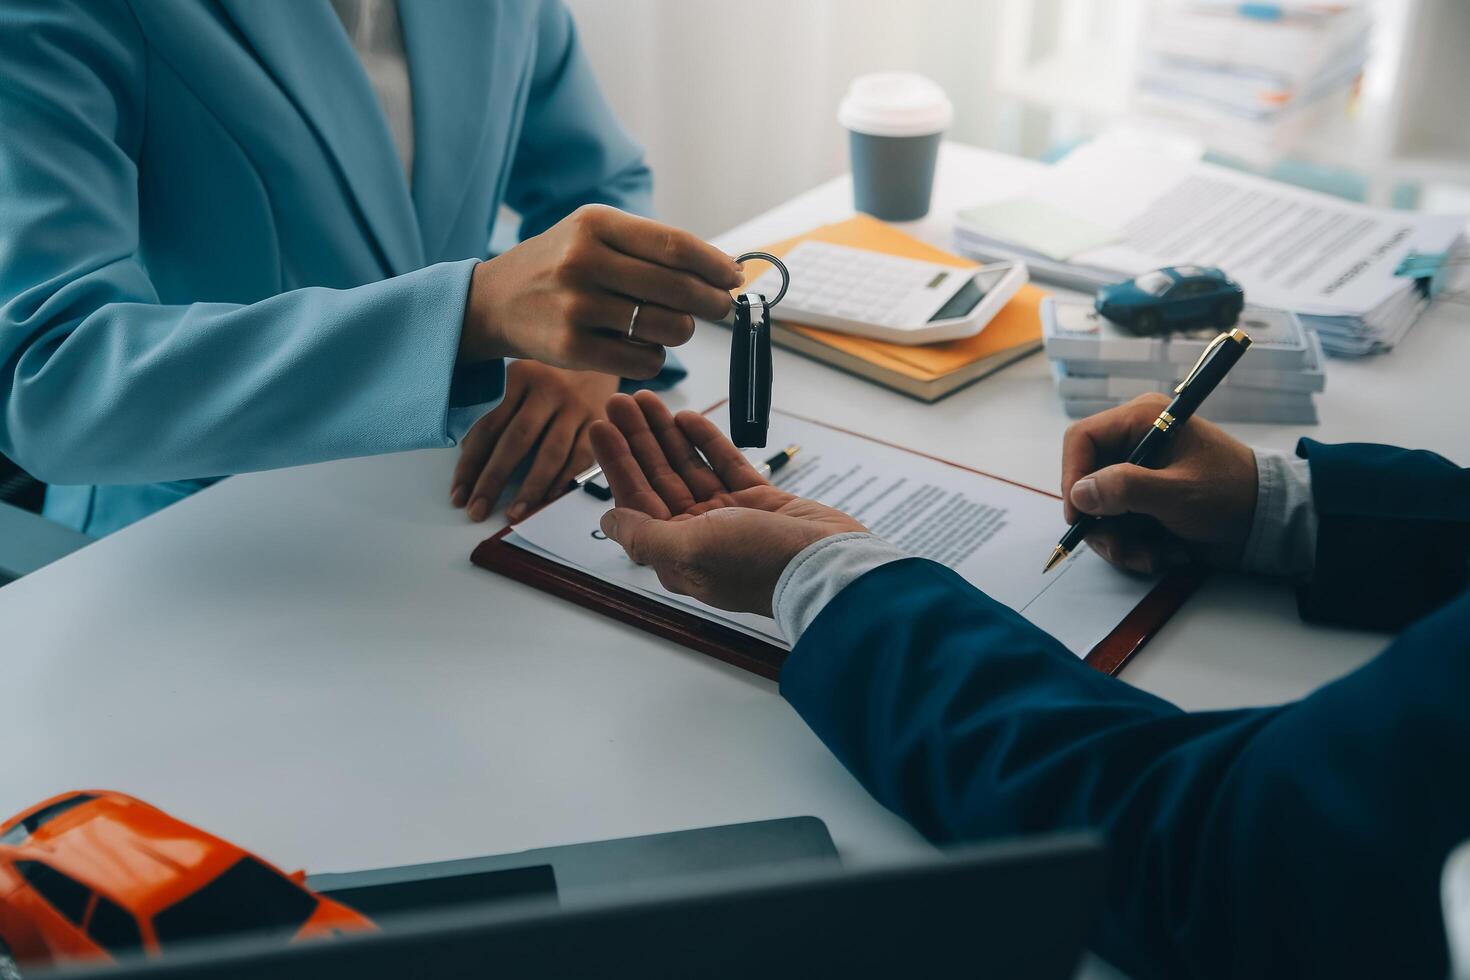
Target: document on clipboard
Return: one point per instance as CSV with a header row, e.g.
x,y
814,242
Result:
x,y
993,532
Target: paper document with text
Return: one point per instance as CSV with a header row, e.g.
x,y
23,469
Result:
x,y
995,534
1288,248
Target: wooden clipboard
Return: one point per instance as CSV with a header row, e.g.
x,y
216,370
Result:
x,y
764,658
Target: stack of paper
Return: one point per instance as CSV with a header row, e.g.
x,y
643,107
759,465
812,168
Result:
x,y
1328,260
1098,365
1250,80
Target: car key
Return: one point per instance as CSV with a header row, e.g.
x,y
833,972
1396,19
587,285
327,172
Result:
x,y
750,360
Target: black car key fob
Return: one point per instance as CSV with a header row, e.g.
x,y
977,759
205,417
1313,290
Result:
x,y
750,372
750,361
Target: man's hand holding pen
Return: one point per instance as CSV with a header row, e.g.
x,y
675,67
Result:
x,y
1152,426
1196,504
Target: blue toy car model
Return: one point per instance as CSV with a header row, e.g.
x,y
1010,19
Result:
x,y
1179,297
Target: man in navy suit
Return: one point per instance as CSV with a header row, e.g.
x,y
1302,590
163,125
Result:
x,y
1305,839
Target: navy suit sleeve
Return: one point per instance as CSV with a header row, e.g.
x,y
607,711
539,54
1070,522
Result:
x,y
1393,534
1297,841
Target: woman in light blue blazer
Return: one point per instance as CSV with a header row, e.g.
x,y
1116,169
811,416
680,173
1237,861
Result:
x,y
224,248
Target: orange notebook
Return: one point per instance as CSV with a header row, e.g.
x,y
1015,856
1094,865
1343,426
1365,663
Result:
x,y
927,372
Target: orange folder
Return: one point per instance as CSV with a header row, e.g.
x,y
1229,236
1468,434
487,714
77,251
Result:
x,y
1017,325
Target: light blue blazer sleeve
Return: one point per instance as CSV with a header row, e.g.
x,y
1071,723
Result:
x,y
103,384
572,151
111,375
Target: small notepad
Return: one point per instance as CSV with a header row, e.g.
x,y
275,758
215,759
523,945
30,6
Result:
x,y
1037,226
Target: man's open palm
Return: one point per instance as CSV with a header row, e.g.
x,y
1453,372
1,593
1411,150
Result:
x,y
694,509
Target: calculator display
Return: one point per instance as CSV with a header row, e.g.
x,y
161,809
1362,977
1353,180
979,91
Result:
x,y
969,296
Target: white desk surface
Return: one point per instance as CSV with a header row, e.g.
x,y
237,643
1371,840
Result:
x,y
305,661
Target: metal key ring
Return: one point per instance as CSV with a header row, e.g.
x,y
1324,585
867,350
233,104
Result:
x,y
781,266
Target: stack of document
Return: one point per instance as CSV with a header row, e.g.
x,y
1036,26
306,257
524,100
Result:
x,y
1098,365
1250,80
1111,210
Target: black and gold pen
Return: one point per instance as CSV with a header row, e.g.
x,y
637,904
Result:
x,y
1216,361
774,464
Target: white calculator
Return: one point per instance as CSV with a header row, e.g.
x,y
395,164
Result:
x,y
887,297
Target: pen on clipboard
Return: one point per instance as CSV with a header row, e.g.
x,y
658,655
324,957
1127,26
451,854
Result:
x,y
771,466
1216,361
590,480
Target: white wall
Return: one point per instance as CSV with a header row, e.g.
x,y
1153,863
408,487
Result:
x,y
736,103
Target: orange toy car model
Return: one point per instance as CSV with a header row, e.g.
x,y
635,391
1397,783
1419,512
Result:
x,y
92,875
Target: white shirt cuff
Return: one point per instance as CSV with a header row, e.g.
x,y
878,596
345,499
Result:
x,y
1283,536
1455,888
820,571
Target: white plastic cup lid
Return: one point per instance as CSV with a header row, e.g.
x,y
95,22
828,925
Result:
x,y
895,103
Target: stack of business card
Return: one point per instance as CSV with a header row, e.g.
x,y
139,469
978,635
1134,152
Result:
x,y
1098,365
